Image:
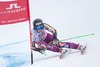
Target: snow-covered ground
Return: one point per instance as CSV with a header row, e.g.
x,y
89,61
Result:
x,y
14,45
70,18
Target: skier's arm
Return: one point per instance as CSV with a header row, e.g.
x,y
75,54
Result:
x,y
51,29
33,40
33,44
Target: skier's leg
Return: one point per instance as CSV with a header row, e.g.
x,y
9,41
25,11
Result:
x,y
54,48
68,45
48,42
50,47
49,39
73,46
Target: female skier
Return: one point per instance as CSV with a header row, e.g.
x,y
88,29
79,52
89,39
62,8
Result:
x,y
45,37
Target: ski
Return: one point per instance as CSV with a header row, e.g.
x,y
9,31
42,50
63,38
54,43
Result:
x,y
42,51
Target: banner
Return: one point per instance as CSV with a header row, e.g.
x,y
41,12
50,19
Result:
x,y
15,39
13,11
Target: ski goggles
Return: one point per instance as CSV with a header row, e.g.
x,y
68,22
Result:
x,y
41,26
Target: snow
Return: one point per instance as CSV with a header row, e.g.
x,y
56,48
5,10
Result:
x,y
70,18
14,45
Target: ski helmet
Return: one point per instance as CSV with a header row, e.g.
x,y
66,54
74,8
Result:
x,y
38,24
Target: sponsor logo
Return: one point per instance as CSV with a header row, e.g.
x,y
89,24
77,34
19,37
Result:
x,y
13,8
49,47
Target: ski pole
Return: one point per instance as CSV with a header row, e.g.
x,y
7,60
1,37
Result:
x,y
77,37
44,53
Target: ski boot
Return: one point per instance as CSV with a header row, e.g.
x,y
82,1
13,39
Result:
x,y
63,52
82,49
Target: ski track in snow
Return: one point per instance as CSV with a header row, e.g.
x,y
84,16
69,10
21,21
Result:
x,y
10,44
